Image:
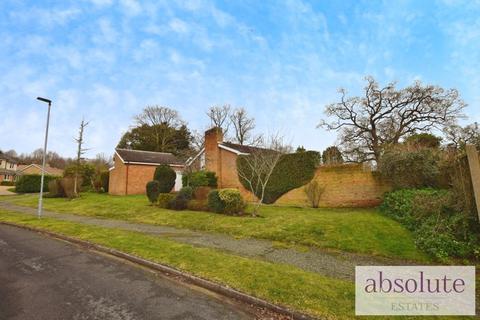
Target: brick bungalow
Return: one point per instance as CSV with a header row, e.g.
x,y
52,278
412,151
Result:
x,y
132,170
37,169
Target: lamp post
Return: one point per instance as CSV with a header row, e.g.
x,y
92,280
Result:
x,y
40,199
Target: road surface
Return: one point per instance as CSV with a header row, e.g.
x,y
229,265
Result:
x,y
47,279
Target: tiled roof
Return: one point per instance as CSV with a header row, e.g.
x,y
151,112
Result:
x,y
148,157
240,148
48,170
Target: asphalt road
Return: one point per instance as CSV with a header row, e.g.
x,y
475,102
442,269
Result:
x,y
44,278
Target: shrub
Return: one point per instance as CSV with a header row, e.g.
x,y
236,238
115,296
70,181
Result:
x,y
7,183
179,202
408,167
197,205
105,178
292,171
187,192
233,202
86,171
67,184
153,190
164,199
55,189
166,177
214,202
201,193
332,155
200,178
31,183
314,192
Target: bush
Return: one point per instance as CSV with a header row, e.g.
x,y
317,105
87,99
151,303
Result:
x,y
164,199
228,201
7,183
55,189
214,202
187,192
86,171
31,183
105,178
166,177
200,178
153,190
197,205
67,184
292,171
179,202
233,201
314,192
439,229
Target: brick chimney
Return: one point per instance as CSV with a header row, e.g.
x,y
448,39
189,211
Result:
x,y
212,153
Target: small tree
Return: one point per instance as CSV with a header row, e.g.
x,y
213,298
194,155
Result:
x,y
332,155
166,177
80,152
153,191
314,192
258,166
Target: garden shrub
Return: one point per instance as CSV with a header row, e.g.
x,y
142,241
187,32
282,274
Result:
x,y
153,190
187,192
201,193
314,192
197,205
7,183
164,199
292,171
179,202
29,183
86,171
200,178
166,177
67,184
105,178
215,204
439,228
55,189
233,202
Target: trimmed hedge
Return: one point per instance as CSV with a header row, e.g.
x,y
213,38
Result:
x,y
215,204
292,171
30,183
200,178
179,202
187,192
166,177
227,201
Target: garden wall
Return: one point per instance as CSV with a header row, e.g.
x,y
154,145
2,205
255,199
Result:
x,y
347,185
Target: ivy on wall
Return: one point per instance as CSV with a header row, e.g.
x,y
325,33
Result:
x,y
292,171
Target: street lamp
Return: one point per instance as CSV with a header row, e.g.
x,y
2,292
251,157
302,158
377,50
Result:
x,y
40,199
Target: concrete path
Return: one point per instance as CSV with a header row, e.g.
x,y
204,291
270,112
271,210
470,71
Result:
x,y
4,191
333,264
46,279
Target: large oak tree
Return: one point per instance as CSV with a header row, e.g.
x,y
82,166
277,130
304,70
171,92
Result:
x,y
385,116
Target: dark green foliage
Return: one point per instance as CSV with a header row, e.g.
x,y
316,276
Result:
x,y
31,183
215,204
200,178
166,177
164,199
292,171
153,190
86,171
179,202
233,202
424,140
332,155
187,192
439,229
7,183
105,178
410,167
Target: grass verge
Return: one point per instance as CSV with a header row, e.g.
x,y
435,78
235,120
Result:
x,y
363,231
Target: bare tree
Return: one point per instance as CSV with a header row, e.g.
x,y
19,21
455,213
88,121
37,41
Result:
x,y
460,136
384,116
80,152
244,125
256,168
219,117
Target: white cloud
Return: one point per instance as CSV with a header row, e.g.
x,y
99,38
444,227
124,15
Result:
x,y
131,7
179,26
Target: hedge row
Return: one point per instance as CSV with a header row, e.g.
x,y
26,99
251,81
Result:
x,y
31,183
292,171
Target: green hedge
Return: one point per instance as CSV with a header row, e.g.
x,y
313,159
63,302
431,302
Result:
x,y
200,178
166,177
292,171
153,190
30,183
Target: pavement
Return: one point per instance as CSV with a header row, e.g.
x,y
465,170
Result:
x,y
47,279
339,265
4,191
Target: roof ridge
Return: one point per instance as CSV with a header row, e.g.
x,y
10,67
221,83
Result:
x,y
144,151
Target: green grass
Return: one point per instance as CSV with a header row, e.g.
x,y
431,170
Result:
x,y
363,231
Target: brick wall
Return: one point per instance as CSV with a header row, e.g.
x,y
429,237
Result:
x,y
116,183
345,186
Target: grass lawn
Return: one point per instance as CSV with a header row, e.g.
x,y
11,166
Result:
x,y
355,230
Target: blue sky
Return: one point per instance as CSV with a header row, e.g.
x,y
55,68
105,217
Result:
x,y
281,60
